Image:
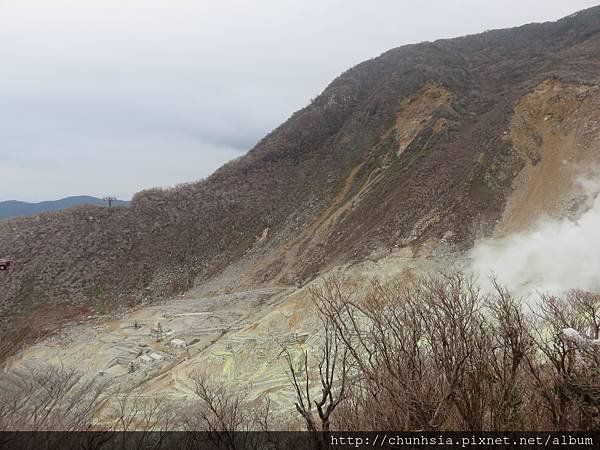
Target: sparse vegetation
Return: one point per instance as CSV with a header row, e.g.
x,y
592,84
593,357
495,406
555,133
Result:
x,y
437,354
431,354
169,238
331,186
48,397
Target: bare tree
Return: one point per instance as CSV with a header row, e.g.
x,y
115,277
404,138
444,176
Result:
x,y
413,345
511,345
418,353
434,352
333,367
149,417
566,364
50,398
220,412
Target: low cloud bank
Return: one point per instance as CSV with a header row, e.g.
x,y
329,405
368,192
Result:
x,y
552,257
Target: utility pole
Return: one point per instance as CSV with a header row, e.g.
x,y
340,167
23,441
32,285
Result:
x,y
109,200
158,332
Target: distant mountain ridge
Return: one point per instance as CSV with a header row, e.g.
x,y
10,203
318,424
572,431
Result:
x,y
14,208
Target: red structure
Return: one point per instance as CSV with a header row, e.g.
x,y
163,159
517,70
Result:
x,y
5,264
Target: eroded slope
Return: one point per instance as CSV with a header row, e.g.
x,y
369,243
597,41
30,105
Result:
x,y
409,148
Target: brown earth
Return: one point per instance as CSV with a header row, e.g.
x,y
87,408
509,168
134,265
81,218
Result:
x,y
406,150
556,129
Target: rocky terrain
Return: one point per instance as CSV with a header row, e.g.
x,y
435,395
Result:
x,y
236,337
402,163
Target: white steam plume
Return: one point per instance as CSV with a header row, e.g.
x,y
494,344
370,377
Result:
x,y
552,257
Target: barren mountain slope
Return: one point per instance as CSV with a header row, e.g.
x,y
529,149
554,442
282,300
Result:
x,y
418,146
236,338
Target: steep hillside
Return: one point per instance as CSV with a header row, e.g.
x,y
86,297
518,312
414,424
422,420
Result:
x,y
415,148
13,208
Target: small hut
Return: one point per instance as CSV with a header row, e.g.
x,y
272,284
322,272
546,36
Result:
x,y
157,356
178,343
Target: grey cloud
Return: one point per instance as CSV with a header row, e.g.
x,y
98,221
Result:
x,y
157,92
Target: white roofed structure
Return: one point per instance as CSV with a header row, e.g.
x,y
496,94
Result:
x,y
178,343
157,357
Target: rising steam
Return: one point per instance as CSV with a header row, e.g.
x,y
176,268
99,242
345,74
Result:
x,y
552,257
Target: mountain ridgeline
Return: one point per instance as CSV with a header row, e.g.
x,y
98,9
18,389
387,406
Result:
x,y
14,208
420,145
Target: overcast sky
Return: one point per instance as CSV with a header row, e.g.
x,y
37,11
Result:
x,y
111,96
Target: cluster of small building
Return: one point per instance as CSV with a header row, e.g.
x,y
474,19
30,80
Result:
x,y
157,357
